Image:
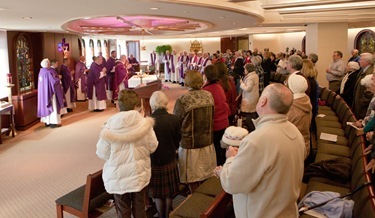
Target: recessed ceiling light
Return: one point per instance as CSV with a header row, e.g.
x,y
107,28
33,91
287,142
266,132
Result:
x,y
154,9
221,17
2,9
234,23
27,18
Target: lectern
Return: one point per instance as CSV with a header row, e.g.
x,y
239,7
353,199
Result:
x,y
144,93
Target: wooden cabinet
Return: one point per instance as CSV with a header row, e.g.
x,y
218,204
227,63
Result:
x,y
25,107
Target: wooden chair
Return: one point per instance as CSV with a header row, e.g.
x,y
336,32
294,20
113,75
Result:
x,y
82,201
218,207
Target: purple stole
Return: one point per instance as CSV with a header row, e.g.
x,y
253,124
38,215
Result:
x,y
153,59
192,61
199,62
205,62
182,70
169,59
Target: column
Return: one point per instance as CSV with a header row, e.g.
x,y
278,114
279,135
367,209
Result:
x,y
323,39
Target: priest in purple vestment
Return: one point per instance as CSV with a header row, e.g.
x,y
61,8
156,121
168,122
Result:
x,y
50,95
168,66
121,76
110,65
68,84
96,86
81,79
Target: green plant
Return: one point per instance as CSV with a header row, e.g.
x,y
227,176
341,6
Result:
x,y
160,49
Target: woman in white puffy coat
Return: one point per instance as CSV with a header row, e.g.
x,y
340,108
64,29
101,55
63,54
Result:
x,y
125,143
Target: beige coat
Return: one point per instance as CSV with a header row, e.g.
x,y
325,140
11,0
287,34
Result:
x,y
265,176
250,92
300,114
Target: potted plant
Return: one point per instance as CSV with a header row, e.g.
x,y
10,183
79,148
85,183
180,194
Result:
x,y
162,48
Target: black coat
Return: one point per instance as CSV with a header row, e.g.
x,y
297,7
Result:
x,y
168,132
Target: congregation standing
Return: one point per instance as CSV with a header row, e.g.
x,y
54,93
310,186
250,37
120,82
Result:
x,y
222,87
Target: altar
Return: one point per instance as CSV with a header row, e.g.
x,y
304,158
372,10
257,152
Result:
x,y
136,80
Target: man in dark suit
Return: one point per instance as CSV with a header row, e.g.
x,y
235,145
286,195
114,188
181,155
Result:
x,y
362,97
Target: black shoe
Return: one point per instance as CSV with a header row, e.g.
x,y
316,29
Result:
x,y
69,110
54,125
166,81
174,82
170,81
182,84
47,125
99,110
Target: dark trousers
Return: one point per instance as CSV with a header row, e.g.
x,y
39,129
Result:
x,y
249,122
131,203
220,152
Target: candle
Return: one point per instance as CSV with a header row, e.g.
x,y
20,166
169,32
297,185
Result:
x,y
9,78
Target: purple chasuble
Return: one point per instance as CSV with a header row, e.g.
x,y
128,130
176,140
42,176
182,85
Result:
x,y
121,76
48,85
67,81
109,78
94,81
80,74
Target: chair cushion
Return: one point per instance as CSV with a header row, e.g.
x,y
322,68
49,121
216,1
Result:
x,y
327,112
73,199
327,118
330,182
210,187
327,123
331,130
333,149
320,186
193,206
341,140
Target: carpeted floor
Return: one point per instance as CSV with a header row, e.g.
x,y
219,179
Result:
x,y
41,164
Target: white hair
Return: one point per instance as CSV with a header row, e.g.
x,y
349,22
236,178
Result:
x,y
368,57
44,63
158,100
367,81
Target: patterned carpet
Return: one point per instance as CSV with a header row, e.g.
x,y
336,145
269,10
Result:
x,y
41,164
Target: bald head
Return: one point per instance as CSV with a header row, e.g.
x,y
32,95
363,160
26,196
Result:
x,y
275,99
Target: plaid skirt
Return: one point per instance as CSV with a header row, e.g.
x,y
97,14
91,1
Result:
x,y
164,181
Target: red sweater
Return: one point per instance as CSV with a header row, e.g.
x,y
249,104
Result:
x,y
221,107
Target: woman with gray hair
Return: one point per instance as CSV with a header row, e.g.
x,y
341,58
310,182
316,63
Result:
x,y
257,61
348,82
195,110
164,171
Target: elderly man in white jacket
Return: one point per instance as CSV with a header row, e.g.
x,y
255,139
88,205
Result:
x,y
125,143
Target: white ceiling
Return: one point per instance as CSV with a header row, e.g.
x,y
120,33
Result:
x,y
226,17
